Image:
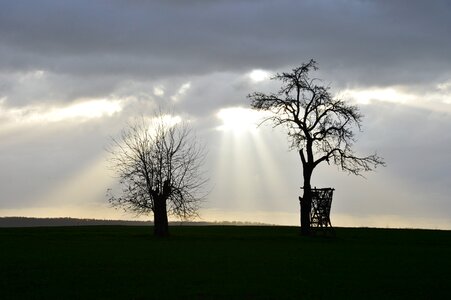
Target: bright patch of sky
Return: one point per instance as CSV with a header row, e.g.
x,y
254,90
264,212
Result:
x,y
181,91
158,91
239,119
365,96
166,121
259,75
79,111
436,100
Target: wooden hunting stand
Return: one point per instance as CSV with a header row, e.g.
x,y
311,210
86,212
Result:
x,y
321,203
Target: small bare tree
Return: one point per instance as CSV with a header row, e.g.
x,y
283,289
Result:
x,y
158,162
319,127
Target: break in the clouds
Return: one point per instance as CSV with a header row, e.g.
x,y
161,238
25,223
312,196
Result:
x,y
73,72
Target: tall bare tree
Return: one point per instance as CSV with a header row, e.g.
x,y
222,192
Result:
x,y
319,126
158,162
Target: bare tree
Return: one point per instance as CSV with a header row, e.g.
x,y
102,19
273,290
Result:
x,y
319,126
158,162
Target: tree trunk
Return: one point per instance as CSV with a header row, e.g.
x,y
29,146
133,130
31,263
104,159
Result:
x,y
160,215
306,201
306,206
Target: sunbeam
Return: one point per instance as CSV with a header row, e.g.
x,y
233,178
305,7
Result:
x,y
248,174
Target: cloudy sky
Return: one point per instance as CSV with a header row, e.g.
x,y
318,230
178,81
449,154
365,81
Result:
x,y
72,73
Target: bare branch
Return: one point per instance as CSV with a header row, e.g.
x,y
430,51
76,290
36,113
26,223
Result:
x,y
315,121
156,161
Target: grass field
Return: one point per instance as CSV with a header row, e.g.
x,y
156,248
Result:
x,y
214,262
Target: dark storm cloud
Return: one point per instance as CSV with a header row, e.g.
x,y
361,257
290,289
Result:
x,y
365,40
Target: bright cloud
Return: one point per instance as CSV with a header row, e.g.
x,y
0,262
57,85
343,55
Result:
x,y
81,111
239,119
169,120
436,99
259,75
158,91
365,96
444,86
181,91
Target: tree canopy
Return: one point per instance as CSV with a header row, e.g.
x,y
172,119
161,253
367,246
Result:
x,y
158,162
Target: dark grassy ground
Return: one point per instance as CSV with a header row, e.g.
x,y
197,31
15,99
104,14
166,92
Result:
x,y
106,262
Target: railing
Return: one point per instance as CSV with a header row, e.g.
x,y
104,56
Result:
x,y
321,203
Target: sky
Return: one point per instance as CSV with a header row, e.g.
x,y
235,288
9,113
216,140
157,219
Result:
x,y
73,73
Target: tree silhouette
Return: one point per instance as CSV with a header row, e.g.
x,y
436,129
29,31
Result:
x,y
158,162
319,126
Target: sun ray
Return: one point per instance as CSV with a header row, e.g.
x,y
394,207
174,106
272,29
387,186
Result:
x,y
247,174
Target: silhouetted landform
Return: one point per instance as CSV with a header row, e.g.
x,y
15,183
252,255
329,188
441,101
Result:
x,y
223,262
57,222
